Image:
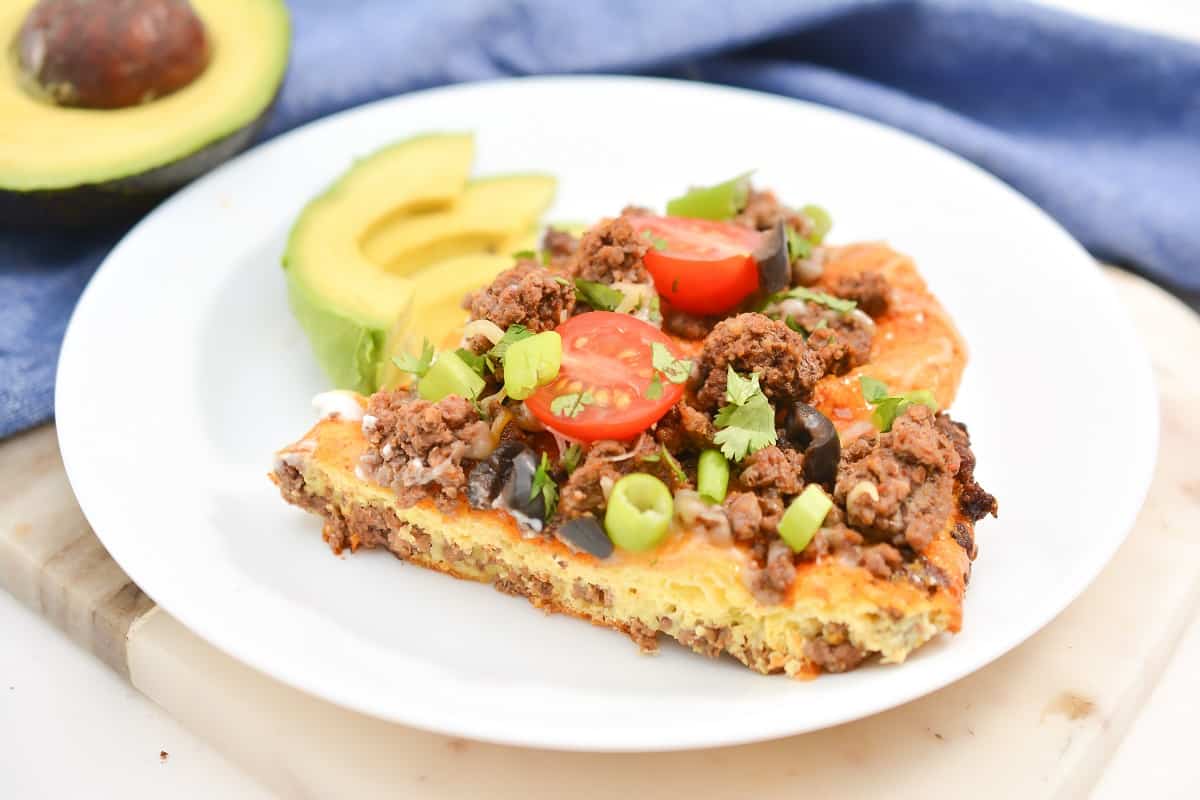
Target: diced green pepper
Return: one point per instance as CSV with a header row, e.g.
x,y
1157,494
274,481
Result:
x,y
530,363
804,516
712,476
639,512
450,375
821,221
722,201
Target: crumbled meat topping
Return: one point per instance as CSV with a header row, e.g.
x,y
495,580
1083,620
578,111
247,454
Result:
x,y
605,463
869,289
745,515
774,468
560,248
912,469
841,340
763,210
415,446
842,348
973,501
833,651
688,326
611,251
787,369
529,295
684,428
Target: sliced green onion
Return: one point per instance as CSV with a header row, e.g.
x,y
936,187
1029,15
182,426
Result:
x,y
722,201
450,375
804,516
821,221
712,476
639,512
531,363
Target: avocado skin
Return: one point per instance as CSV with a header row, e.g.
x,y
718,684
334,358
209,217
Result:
x,y
122,199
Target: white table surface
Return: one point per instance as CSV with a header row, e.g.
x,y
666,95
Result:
x,y
69,727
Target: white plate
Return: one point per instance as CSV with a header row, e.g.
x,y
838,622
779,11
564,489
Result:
x,y
183,370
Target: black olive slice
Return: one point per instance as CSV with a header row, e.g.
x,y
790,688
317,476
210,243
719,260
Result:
x,y
809,428
585,533
515,494
771,255
488,477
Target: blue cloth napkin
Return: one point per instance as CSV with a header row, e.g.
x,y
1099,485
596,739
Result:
x,y
1098,125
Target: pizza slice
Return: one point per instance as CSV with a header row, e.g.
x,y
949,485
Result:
x,y
721,431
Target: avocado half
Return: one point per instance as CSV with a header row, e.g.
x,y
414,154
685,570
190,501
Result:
x,y
67,166
382,259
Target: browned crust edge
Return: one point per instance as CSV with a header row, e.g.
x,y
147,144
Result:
x,y
369,527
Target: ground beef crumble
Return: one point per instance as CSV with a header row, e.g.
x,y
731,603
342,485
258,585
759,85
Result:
x,y
419,448
773,467
611,251
763,210
603,465
869,289
527,294
688,326
684,428
786,367
833,651
841,340
560,248
898,487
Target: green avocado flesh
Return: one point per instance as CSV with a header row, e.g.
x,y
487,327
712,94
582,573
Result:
x,y
383,258
89,160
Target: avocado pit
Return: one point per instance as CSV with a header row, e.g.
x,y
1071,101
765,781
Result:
x,y
108,54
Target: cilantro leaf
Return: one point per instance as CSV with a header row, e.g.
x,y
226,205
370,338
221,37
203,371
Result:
x,y
571,405
676,370
569,459
885,413
791,322
544,485
676,468
873,389
476,362
839,304
561,281
745,428
738,390
525,255
747,424
888,407
515,333
655,389
657,242
798,246
654,314
599,296
417,365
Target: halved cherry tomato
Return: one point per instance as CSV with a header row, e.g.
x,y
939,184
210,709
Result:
x,y
607,368
699,265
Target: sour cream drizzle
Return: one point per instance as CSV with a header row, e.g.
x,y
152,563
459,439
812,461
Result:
x,y
338,403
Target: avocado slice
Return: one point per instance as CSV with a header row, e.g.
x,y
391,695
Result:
x,y
62,165
356,310
482,219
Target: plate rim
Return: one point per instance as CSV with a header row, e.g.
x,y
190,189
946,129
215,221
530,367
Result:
x,y
75,461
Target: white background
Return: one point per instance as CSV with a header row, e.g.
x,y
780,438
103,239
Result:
x,y
109,737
